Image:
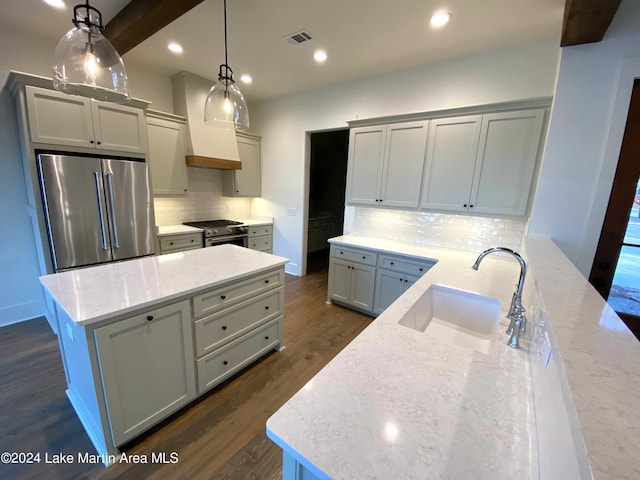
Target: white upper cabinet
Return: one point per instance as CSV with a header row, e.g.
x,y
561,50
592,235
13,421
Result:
x,y
482,163
167,153
451,157
244,182
60,119
385,164
509,144
364,172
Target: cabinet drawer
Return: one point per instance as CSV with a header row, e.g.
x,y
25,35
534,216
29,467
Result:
x,y
228,295
260,243
400,264
180,242
359,256
225,361
260,230
211,332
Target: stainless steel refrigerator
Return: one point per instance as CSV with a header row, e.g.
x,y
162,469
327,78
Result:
x,y
97,209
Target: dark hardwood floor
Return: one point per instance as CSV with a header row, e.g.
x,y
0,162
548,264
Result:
x,y
219,436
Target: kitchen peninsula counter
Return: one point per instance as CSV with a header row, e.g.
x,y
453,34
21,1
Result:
x,y
397,403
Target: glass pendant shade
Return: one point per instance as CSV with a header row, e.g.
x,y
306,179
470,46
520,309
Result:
x,y
86,63
225,105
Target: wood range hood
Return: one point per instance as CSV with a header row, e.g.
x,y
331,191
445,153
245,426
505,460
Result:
x,y
207,146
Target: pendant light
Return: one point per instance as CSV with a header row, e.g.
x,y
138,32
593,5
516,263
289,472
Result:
x,y
86,63
225,104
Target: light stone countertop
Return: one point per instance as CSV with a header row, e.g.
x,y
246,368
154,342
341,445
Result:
x,y
600,360
102,292
252,222
165,230
397,403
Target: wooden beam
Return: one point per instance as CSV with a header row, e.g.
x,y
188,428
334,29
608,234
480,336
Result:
x,y
142,18
586,21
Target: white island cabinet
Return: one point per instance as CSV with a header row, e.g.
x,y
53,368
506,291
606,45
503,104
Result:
x,y
141,338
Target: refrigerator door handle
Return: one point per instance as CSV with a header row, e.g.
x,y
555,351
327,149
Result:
x,y
112,211
103,235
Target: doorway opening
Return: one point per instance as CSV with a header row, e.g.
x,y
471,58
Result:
x,y
328,153
615,272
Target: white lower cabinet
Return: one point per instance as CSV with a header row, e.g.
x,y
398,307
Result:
x,y
261,238
371,281
146,365
352,275
227,360
180,242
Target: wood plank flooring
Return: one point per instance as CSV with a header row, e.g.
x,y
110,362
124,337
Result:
x,y
219,436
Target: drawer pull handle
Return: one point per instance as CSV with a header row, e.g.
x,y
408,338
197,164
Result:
x,y
266,337
223,297
266,281
364,257
224,362
170,243
391,263
224,327
266,307
149,318
420,269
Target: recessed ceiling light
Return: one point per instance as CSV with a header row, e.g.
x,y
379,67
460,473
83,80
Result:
x,y
246,78
175,47
440,19
56,4
320,56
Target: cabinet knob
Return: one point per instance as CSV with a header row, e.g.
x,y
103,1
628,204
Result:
x,y
266,281
465,205
390,263
470,206
99,143
149,318
603,265
224,362
91,142
266,337
223,297
406,281
192,240
237,191
170,243
266,307
224,327
363,257
420,269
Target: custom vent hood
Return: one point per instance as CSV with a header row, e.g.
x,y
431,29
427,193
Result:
x,y
207,146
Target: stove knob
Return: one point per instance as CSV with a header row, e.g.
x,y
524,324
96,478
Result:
x,y
215,232
228,230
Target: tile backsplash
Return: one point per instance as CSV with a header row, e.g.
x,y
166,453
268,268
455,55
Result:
x,y
460,232
203,201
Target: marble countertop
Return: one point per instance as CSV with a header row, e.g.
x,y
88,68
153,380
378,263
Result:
x,y
255,221
165,230
98,293
397,403
600,359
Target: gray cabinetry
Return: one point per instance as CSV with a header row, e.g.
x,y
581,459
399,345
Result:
x,y
146,364
180,242
246,181
394,276
261,238
57,118
167,153
352,276
385,164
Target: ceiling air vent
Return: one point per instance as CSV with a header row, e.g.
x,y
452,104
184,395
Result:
x,y
298,37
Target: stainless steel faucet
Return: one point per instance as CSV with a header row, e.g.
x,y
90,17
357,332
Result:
x,y
518,322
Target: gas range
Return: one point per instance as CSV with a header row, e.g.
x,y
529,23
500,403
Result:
x,y
218,232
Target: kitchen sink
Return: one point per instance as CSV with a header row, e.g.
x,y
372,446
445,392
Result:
x,y
456,316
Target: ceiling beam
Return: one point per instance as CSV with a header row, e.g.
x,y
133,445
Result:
x,y
586,21
140,19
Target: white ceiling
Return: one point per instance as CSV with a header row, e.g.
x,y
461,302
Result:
x,y
361,37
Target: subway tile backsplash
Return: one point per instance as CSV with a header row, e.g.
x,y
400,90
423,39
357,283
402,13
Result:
x,y
203,201
460,232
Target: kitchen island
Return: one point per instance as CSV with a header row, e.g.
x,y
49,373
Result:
x,y
402,403
140,339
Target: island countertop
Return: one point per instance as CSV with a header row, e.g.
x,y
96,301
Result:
x,y
92,294
398,403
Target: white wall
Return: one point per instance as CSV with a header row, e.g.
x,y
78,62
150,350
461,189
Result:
x,y
585,134
21,296
525,71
